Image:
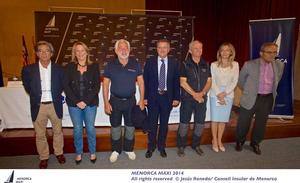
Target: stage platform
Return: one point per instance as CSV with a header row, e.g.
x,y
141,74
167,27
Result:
x,y
22,141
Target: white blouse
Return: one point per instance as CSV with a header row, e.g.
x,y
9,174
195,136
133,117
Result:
x,y
224,79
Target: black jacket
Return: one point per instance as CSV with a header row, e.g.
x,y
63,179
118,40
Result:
x,y
91,82
196,77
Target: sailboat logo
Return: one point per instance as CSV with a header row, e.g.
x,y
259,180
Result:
x,y
278,42
51,23
10,179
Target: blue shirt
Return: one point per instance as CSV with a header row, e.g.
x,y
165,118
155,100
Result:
x,y
123,78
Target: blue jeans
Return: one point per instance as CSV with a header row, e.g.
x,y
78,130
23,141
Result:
x,y
86,116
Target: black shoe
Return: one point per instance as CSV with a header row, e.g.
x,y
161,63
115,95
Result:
x,y
256,149
163,154
239,146
198,150
78,159
180,152
77,162
93,160
148,154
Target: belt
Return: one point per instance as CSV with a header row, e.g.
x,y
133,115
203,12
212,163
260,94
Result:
x,y
122,98
161,92
47,102
264,95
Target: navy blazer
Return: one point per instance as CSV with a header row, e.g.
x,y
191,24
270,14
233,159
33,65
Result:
x,y
32,84
151,80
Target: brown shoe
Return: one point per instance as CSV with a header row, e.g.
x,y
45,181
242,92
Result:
x,y
43,164
61,159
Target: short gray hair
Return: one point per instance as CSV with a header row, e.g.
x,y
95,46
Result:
x,y
193,42
40,43
121,41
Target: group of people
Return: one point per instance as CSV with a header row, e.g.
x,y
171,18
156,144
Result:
x,y
164,83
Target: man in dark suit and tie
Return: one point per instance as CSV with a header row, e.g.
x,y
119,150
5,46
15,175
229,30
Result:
x,y
162,92
258,80
43,81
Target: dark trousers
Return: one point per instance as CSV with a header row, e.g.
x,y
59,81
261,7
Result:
x,y
187,108
160,108
122,108
261,109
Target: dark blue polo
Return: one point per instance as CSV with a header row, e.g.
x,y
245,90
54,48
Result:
x,y
123,78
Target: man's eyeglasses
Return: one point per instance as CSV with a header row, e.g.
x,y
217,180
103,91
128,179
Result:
x,y
44,51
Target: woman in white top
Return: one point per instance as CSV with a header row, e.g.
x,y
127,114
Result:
x,y
225,72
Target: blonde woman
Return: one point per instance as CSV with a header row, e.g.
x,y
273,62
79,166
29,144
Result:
x,y
225,72
82,85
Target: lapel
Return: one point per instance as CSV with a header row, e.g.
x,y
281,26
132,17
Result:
x,y
155,65
257,70
275,71
169,71
52,75
38,76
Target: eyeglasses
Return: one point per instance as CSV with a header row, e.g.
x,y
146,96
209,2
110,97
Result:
x,y
271,52
44,51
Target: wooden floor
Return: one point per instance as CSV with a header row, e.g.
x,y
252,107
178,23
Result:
x,y
22,141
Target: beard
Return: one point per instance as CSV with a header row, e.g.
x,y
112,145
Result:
x,y
123,55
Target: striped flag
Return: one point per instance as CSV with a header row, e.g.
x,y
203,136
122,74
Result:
x,y
1,77
24,52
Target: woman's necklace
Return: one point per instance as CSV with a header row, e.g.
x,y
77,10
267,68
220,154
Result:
x,y
81,65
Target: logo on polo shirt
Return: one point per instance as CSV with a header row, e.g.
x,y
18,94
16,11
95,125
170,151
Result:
x,y
131,70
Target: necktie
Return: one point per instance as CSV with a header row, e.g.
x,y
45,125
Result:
x,y
162,75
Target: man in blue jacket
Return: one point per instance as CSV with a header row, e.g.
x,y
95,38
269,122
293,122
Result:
x,y
162,92
43,82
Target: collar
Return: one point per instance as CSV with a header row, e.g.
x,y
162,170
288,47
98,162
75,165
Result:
x,y
41,66
165,59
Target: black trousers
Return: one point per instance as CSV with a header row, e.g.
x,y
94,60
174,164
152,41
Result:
x,y
187,108
121,108
262,108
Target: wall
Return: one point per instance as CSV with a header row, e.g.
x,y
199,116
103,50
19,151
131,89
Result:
x,y
17,19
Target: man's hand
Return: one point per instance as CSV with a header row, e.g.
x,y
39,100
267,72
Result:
x,y
198,96
146,102
141,104
107,108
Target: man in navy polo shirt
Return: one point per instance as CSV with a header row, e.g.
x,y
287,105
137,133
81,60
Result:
x,y
120,78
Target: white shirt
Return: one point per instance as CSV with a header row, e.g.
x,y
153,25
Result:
x,y
166,67
45,74
224,79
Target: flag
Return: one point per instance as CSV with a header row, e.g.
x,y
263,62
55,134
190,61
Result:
x,y
33,45
1,77
24,52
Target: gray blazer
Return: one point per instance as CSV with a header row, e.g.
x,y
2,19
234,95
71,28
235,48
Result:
x,y
249,81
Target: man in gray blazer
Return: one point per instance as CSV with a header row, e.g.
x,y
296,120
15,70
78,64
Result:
x,y
258,80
